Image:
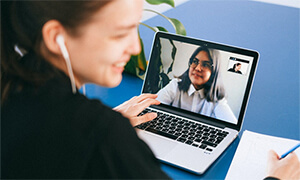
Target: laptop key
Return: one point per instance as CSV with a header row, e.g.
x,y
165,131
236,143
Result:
x,y
181,139
198,140
193,126
202,146
206,130
213,132
186,124
185,132
217,141
191,138
189,142
158,128
196,145
208,149
142,126
184,136
177,134
161,133
206,134
211,140
200,128
171,132
204,138
164,130
225,132
209,143
192,130
212,136
222,134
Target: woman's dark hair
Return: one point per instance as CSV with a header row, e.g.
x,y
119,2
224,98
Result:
x,y
21,37
235,65
213,88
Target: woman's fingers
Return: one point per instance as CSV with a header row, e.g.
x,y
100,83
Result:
x,y
135,106
142,97
142,119
144,104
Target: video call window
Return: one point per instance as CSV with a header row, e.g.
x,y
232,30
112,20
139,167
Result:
x,y
238,66
173,59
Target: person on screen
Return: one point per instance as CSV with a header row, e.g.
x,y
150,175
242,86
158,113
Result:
x,y
199,89
50,131
236,68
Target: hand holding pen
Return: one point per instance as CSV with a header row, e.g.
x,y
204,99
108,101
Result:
x,y
290,151
286,166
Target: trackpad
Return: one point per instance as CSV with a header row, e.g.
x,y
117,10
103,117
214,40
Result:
x,y
159,145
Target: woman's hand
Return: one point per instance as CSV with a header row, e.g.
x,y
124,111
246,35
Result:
x,y
286,168
135,106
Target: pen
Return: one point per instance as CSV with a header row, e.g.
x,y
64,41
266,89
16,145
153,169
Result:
x,y
289,151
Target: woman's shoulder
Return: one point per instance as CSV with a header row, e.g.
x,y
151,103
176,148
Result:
x,y
222,103
98,110
172,86
68,124
174,82
96,114
54,103
61,111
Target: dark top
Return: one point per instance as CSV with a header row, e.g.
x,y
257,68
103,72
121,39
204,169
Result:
x,y
232,70
271,178
48,132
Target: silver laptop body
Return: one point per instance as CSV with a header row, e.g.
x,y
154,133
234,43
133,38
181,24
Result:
x,y
174,143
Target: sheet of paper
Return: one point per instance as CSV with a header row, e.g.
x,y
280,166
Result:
x,y
250,159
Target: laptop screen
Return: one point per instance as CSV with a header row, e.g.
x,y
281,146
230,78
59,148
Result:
x,y
205,78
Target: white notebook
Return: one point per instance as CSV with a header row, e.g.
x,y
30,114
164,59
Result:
x,y
251,156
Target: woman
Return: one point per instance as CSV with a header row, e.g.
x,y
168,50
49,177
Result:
x,y
199,89
236,68
48,129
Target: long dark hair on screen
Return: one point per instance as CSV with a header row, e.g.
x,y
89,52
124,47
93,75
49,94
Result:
x,y
213,88
21,37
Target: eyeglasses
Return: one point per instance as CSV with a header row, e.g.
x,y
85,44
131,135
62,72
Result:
x,y
205,65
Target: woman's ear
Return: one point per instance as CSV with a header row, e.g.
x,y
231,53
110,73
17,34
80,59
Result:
x,y
50,31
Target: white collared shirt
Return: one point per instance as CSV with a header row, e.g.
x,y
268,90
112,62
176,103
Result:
x,y
195,101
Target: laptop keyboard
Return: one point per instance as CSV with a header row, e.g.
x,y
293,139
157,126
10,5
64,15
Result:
x,y
184,131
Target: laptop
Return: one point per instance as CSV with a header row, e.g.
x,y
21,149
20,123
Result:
x,y
196,122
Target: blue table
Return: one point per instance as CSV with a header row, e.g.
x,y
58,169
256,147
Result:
x,y
272,30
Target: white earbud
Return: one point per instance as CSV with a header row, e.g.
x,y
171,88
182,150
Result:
x,y
61,43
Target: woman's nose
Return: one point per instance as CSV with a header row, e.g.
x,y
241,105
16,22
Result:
x,y
135,47
198,67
